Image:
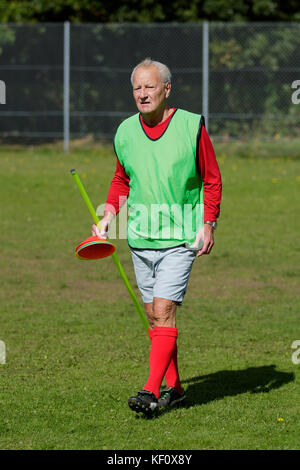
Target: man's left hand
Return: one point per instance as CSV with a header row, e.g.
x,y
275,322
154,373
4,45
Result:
x,y
207,235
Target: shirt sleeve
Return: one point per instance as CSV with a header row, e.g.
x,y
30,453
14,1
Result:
x,y
211,177
118,191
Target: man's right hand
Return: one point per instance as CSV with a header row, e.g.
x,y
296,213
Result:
x,y
101,229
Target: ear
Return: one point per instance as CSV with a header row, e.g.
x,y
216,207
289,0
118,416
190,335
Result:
x,y
168,89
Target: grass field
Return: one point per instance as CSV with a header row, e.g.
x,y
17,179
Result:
x,y
76,349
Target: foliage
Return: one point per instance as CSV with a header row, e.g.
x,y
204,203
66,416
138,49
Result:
x,y
147,10
251,69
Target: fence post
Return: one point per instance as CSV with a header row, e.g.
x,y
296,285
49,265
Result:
x,y
2,92
205,72
66,85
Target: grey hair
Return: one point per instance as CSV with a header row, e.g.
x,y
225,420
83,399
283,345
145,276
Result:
x,y
164,71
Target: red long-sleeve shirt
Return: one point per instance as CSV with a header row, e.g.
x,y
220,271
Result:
x,y
207,165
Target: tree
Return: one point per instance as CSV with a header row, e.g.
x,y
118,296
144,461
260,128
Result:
x,y
146,11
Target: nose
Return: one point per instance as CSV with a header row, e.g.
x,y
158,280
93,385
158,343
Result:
x,y
143,93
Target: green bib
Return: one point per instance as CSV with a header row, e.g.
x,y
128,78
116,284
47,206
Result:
x,y
165,200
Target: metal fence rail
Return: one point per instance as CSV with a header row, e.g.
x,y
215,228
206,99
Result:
x,y
67,81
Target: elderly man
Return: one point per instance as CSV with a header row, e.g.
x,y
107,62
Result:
x,y
167,169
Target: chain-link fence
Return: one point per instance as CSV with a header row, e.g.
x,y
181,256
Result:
x,y
69,81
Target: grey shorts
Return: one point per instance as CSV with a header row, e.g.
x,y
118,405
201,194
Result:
x,y
163,273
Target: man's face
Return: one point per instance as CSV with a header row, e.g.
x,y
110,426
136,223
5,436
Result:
x,y
149,92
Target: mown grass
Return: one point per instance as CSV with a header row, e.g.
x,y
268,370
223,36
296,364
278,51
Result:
x,y
76,349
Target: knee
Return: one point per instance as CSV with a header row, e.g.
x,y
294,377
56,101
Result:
x,y
164,313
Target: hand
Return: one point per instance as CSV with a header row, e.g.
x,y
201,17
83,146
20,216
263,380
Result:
x,y
206,236
101,229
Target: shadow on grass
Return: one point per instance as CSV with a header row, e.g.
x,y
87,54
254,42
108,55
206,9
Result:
x,y
203,389
206,388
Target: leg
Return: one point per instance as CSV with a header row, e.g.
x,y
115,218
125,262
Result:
x,y
161,312
165,315
163,355
168,315
164,312
163,359
157,277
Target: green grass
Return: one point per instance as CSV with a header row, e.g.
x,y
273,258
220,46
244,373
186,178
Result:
x,y
76,349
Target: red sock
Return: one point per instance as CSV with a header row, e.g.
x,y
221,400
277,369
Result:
x,y
162,347
171,375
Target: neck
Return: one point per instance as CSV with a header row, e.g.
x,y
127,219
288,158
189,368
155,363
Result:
x,y
157,116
